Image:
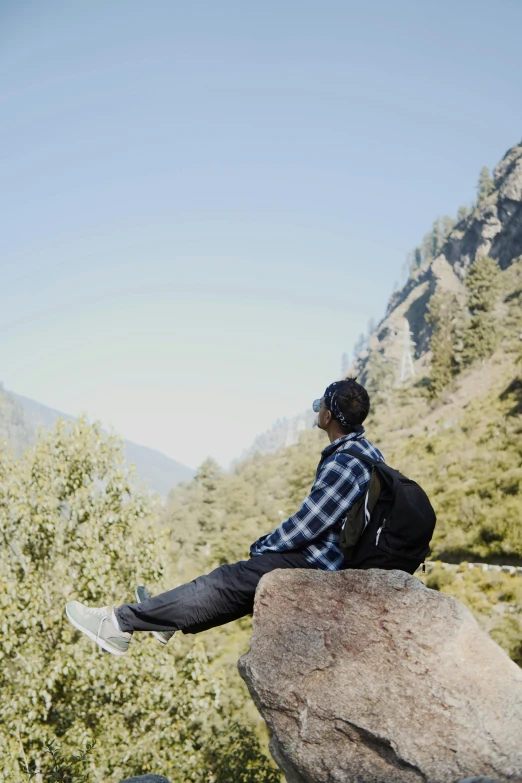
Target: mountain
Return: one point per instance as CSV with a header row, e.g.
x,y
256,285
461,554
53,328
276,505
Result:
x,y
20,418
398,351
492,229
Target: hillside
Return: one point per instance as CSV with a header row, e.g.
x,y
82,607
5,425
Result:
x,y
20,418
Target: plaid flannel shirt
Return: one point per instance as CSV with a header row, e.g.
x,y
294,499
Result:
x,y
340,480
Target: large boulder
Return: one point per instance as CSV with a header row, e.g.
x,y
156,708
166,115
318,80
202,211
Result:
x,y
369,676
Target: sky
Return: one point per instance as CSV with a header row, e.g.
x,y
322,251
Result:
x,y
203,204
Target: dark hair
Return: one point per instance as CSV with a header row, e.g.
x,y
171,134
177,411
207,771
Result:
x,y
353,400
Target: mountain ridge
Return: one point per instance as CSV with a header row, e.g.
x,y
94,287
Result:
x,y
492,228
20,418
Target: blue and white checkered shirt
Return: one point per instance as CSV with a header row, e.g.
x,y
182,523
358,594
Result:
x,y
340,480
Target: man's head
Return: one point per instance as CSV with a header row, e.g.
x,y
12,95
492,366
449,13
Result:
x,y
343,407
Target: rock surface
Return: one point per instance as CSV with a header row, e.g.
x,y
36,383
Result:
x,y
146,779
369,676
479,780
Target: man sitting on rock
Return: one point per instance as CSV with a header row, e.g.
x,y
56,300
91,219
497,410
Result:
x,y
307,539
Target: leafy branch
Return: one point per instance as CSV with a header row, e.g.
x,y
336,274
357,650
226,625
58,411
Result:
x,y
62,768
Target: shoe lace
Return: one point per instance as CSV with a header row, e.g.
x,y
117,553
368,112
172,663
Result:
x,y
101,612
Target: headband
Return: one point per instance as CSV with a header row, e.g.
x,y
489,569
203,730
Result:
x,y
330,400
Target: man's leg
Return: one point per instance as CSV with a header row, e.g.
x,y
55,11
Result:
x,y
224,594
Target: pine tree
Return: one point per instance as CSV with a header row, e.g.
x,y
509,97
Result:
x,y
434,240
447,224
427,246
359,346
379,376
462,213
208,478
443,311
485,184
482,283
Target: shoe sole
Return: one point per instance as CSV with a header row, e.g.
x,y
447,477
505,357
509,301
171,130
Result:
x,y
157,634
101,642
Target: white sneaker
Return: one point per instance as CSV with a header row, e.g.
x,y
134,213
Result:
x,y
98,625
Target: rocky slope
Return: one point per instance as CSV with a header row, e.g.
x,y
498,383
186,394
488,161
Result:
x,y
494,228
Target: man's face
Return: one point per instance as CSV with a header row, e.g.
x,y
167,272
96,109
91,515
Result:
x,y
324,416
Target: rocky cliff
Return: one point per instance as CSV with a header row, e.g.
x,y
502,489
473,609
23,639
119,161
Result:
x,y
494,228
370,676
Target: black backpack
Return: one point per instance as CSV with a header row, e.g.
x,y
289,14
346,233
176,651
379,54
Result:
x,y
391,525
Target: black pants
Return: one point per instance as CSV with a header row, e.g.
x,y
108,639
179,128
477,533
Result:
x,y
225,594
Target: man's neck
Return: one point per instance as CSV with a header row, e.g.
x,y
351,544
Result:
x,y
335,433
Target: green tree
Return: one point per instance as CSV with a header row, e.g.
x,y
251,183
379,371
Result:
x,y
379,376
427,246
359,346
447,224
236,758
208,479
73,526
443,313
434,240
462,213
485,184
481,335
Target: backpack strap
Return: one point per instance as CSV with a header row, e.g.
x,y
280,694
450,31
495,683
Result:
x,y
374,486
364,458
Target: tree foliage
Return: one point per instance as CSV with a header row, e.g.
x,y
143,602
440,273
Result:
x,y
379,377
462,213
72,526
485,185
62,768
432,242
481,335
443,316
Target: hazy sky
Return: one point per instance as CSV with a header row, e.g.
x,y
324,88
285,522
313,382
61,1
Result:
x,y
203,204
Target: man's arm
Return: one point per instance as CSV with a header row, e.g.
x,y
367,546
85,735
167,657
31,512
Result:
x,y
333,493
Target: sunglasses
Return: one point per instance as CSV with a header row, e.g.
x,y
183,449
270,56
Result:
x,y
316,405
